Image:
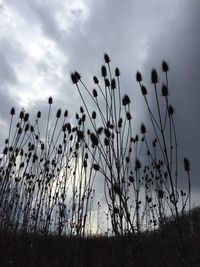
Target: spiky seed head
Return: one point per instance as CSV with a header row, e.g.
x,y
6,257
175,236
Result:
x,y
94,115
107,132
83,118
21,114
66,113
77,75
103,71
125,100
58,114
186,164
12,111
154,76
73,78
26,117
117,72
120,123
94,93
81,109
77,116
94,139
165,90
113,84
5,151
128,116
165,66
50,100
106,142
107,82
99,130
96,167
170,110
26,127
137,164
96,81
143,90
138,77
80,134
39,114
106,58
143,128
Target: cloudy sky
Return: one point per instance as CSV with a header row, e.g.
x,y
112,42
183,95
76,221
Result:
x,y
42,41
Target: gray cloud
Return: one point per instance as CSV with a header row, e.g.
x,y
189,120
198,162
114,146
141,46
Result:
x,y
137,34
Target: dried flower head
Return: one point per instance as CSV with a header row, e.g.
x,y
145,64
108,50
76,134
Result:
x,y
154,76
138,77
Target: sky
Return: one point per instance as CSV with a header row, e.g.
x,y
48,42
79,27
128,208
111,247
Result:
x,y
42,41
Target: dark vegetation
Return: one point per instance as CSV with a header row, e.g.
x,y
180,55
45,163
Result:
x,y
49,213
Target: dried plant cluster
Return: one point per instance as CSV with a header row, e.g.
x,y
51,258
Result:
x,y
46,181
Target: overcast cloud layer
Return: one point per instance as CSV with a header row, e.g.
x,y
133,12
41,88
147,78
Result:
x,y
42,41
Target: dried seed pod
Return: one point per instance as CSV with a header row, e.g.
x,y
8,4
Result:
x,y
94,115
113,84
107,82
117,72
125,100
143,128
143,90
138,77
164,90
128,116
96,167
94,93
77,75
94,139
154,76
103,71
73,78
106,58
165,66
50,100
186,164
170,110
96,81
58,114
12,111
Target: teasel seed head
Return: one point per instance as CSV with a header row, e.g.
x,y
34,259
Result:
x,y
12,111
143,90
186,164
107,82
165,66
94,139
66,113
143,128
73,78
138,77
103,71
170,110
77,75
117,72
94,115
106,58
58,114
154,76
128,116
113,84
125,100
165,90
50,100
94,93
96,81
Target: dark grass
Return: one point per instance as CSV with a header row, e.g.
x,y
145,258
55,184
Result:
x,y
51,251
